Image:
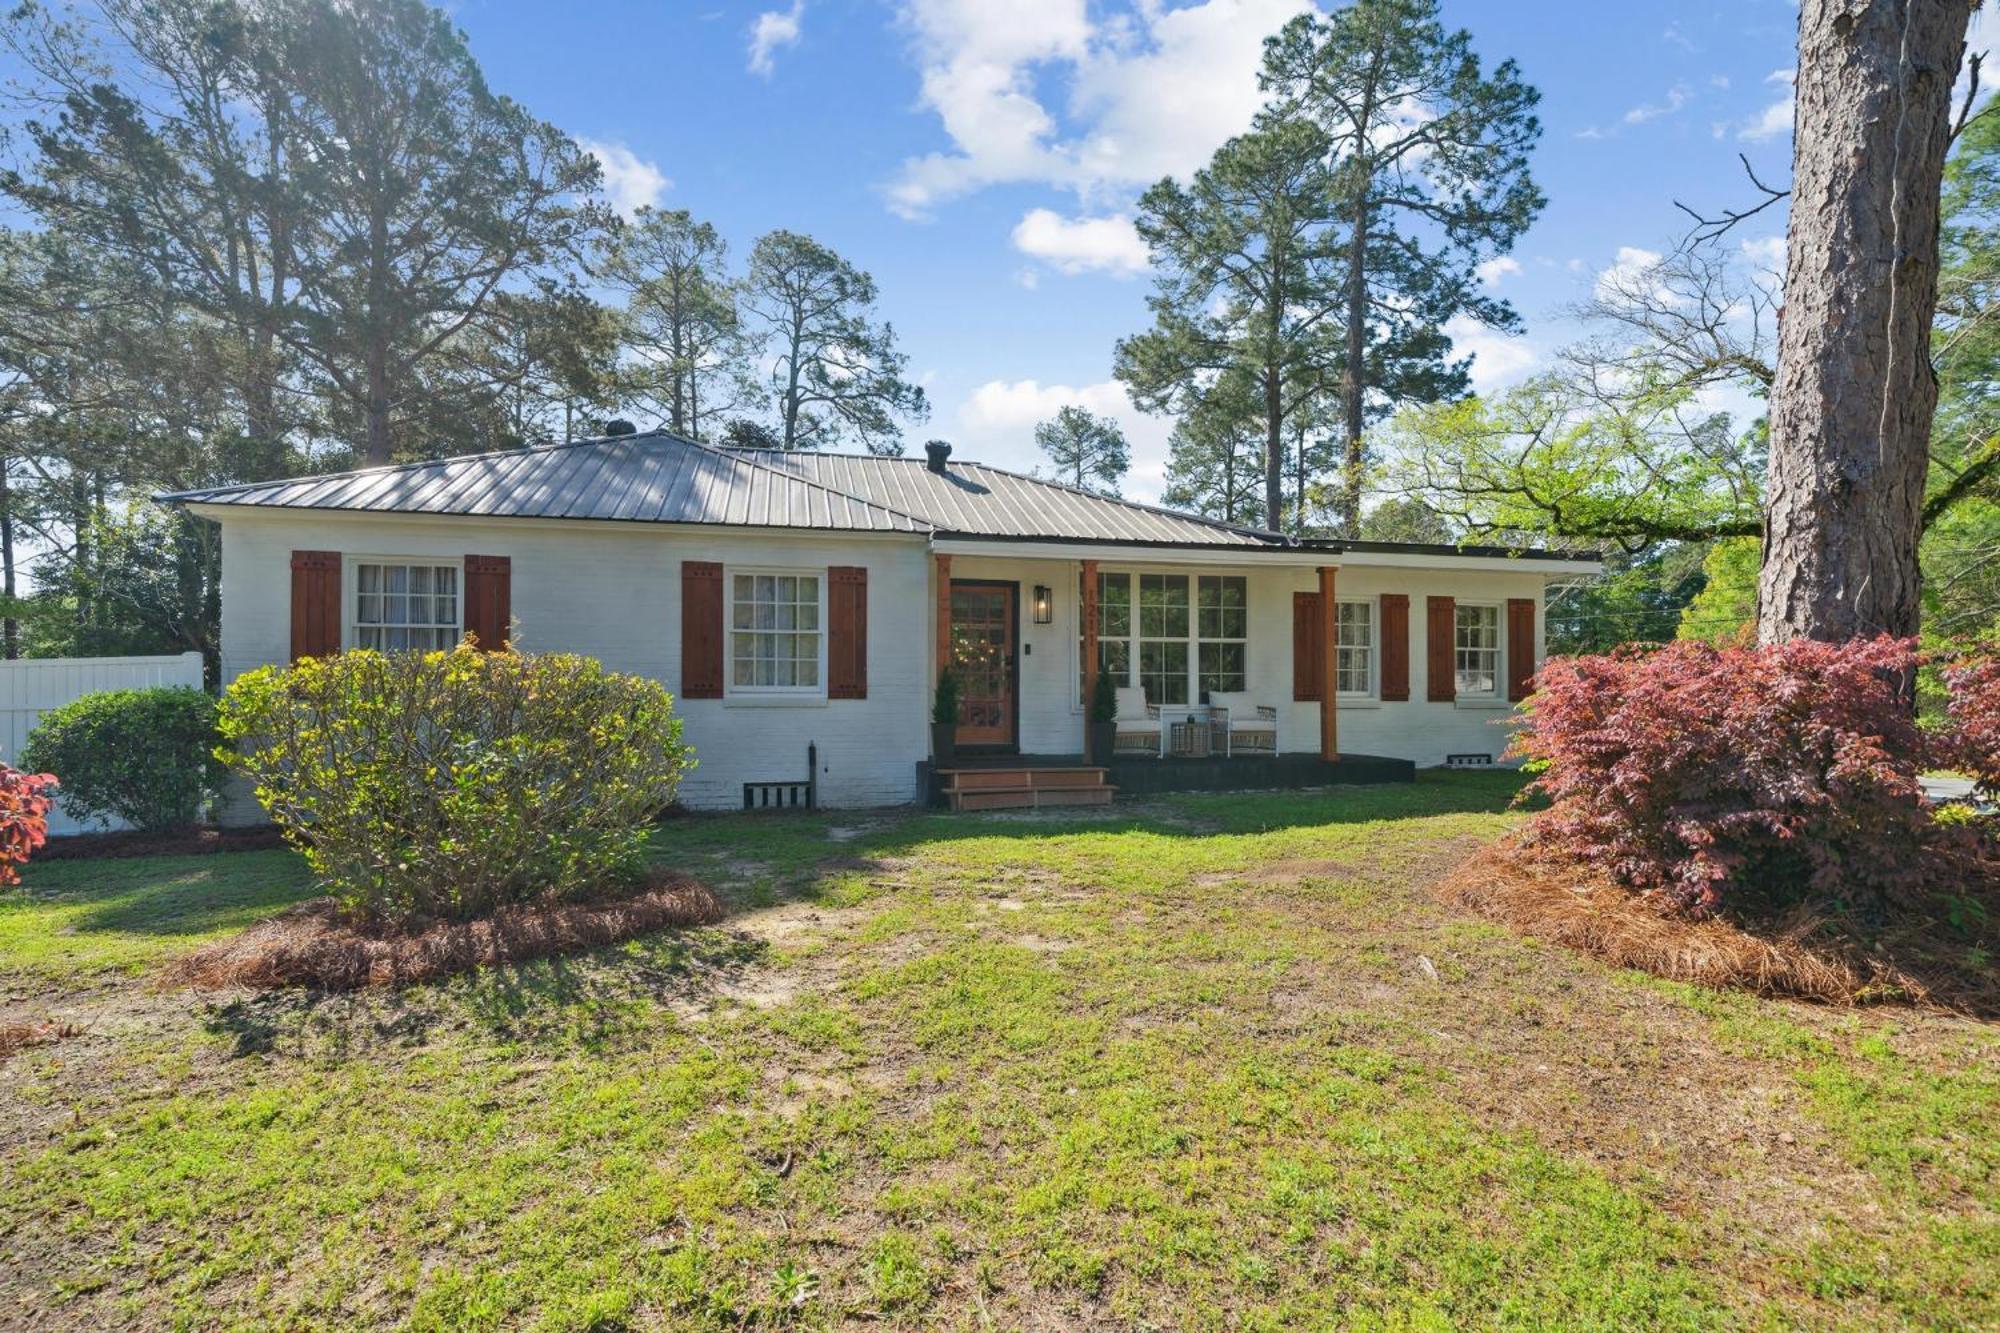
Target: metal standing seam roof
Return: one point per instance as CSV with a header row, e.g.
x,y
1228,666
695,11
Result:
x,y
973,499
660,478
633,478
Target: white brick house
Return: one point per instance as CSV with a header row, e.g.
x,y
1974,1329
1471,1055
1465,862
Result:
x,y
808,599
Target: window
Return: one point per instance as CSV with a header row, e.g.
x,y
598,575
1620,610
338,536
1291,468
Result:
x,y
403,607
1477,649
1354,648
1222,624
1114,629
1163,637
1186,636
774,632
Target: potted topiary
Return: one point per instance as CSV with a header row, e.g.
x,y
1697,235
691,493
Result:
x,y
1103,731
944,719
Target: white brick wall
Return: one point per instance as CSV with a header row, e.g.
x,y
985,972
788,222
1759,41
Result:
x,y
613,592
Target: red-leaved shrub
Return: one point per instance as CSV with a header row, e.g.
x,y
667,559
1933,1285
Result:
x,y
1707,774
1971,741
24,818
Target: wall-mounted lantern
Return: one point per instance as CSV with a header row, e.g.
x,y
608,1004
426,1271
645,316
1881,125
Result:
x,y
1045,605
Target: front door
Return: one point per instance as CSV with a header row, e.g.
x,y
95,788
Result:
x,y
982,653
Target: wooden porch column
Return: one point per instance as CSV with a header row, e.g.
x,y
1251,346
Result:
x,y
1329,711
943,611
1089,614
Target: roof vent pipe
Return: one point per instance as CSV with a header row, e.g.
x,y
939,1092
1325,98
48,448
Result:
x,y
935,454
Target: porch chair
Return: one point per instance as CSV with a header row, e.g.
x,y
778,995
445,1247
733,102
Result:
x,y
1241,723
1138,724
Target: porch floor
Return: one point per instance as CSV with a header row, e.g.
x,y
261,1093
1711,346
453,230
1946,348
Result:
x,y
1145,775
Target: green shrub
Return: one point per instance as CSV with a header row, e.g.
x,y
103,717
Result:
x,y
144,756
447,784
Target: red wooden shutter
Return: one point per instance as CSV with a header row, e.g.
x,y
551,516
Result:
x,y
847,632
701,629
1308,648
315,603
489,598
1441,630
1395,647
1520,647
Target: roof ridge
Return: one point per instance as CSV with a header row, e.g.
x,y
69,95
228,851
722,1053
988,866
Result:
x,y
737,456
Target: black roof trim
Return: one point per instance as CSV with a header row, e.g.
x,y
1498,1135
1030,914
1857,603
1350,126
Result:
x,y
1330,545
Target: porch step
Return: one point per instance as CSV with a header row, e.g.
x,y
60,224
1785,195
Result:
x,y
993,779
1026,798
1027,786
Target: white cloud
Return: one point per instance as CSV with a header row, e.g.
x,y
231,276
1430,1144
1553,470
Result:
x,y
1150,94
1677,97
631,182
1083,244
996,424
1767,253
1678,38
773,30
1497,359
1493,270
1628,273
1775,119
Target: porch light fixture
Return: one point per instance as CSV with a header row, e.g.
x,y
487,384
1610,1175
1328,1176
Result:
x,y
1045,607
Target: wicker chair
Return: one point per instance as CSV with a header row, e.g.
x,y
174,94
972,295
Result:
x,y
1242,725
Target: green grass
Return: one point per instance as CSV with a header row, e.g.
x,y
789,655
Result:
x,y
75,918
1217,1062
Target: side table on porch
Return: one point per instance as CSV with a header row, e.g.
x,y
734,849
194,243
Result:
x,y
1190,738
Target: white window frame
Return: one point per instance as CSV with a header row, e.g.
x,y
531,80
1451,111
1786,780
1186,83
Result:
x,y
730,689
1372,647
1197,638
1135,575
350,590
1499,651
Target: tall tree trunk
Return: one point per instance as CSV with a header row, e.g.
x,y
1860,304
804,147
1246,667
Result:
x,y
377,369
1352,390
1274,449
1852,404
10,627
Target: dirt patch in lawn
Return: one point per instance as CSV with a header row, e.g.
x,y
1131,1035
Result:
x,y
312,946
1801,953
178,842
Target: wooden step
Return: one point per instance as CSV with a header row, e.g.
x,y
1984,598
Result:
x,y
994,779
1028,798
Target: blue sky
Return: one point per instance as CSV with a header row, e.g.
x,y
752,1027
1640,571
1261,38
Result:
x,y
980,157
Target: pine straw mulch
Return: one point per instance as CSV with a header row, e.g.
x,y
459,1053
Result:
x,y
20,1036
312,945
1801,953
199,841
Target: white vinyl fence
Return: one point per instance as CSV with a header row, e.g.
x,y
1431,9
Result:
x,y
33,686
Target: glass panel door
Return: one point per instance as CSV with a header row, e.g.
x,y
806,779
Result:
x,y
982,652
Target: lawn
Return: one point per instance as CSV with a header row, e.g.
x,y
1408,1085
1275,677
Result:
x,y
1213,1062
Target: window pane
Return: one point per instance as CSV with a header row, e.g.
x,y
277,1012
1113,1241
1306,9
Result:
x,y
1222,667
1114,605
1163,671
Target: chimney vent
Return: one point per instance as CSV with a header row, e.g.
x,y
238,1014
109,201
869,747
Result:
x,y
935,454
620,426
